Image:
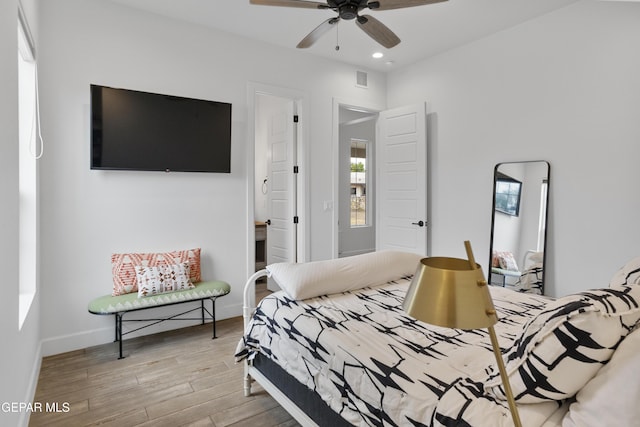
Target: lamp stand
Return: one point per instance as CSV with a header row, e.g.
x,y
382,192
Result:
x,y
505,378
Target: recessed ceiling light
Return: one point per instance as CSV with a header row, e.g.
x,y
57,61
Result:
x,y
377,55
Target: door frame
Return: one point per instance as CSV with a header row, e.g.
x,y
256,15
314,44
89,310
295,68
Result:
x,y
301,107
335,137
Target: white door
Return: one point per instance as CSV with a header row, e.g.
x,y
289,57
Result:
x,y
281,199
402,180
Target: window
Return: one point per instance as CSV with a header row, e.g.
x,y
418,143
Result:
x,y
27,167
542,221
358,182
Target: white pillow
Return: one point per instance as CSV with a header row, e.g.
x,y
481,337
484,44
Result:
x,y
614,393
312,279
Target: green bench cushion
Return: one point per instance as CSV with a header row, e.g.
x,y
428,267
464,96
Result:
x,y
505,272
108,304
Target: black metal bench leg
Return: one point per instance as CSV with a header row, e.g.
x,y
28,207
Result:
x,y
116,328
202,310
119,333
213,316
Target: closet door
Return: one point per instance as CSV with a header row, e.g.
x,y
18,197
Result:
x,y
281,199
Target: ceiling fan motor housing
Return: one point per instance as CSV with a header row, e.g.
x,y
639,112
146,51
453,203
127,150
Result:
x,y
347,9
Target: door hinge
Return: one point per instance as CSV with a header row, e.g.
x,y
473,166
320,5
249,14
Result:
x,y
295,219
295,169
295,118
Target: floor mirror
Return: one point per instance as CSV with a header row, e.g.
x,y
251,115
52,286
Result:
x,y
519,225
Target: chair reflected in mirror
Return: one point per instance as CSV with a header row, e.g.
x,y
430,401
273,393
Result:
x,y
518,227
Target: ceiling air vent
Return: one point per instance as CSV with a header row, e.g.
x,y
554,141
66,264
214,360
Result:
x,y
361,79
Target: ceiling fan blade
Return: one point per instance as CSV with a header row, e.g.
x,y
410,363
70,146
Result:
x,y
291,3
399,4
378,31
318,32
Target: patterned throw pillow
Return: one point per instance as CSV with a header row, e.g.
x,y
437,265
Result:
x,y
495,260
629,274
163,278
563,347
507,261
123,267
530,281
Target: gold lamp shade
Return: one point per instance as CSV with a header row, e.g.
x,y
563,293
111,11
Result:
x,y
448,292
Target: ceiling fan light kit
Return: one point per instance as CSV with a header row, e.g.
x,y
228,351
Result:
x,y
350,10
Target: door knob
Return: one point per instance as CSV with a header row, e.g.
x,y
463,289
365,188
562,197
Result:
x,y
268,222
419,223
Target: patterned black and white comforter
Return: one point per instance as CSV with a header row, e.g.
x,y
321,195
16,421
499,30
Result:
x,y
376,366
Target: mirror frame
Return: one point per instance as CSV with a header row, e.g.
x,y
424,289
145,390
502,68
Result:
x,y
546,218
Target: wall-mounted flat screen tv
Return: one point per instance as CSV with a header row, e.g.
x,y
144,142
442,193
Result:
x,y
508,191
132,130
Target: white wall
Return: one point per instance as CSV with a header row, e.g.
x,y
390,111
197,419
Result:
x,y
20,358
87,215
563,88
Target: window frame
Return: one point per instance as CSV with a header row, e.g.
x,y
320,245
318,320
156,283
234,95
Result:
x,y
367,182
27,179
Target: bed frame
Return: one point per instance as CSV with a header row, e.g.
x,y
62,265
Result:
x,y
300,402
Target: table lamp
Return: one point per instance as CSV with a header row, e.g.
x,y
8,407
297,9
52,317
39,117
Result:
x,y
453,293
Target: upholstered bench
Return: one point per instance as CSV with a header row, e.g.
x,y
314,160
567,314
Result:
x,y
122,304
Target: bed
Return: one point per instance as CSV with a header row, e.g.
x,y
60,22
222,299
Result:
x,y
334,347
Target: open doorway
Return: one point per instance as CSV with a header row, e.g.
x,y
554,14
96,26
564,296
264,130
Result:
x,y
275,196
356,181
392,147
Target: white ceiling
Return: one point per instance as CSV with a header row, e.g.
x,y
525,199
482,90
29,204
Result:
x,y
424,30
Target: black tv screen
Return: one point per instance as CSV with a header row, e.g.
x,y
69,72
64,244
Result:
x,y
132,130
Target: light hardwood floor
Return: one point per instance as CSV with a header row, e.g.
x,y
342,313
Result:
x,y
175,378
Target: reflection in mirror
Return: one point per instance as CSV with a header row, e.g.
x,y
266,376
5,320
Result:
x,y
518,226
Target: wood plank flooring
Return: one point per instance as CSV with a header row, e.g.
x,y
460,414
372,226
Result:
x,y
175,378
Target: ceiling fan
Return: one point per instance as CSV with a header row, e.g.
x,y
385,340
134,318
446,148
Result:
x,y
348,10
